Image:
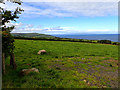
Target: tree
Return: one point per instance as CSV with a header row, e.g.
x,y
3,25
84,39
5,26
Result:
x,y
7,38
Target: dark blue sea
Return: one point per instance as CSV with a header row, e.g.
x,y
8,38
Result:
x,y
112,37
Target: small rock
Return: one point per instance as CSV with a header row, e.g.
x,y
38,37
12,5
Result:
x,y
84,80
35,70
41,52
27,71
88,83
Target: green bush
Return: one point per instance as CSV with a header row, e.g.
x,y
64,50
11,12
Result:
x,y
104,41
115,43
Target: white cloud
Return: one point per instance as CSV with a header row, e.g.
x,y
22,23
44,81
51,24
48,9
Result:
x,y
9,5
28,28
86,9
66,9
17,25
29,25
70,9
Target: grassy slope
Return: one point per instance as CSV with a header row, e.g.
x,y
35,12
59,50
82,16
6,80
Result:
x,y
66,64
31,35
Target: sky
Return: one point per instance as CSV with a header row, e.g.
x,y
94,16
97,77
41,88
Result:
x,y
66,17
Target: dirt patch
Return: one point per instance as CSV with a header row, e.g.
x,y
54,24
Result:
x,y
60,67
109,77
105,75
116,61
111,60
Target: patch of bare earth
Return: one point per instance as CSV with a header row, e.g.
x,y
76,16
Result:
x,y
105,74
60,67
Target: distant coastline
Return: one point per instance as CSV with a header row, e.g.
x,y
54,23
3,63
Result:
x,y
112,37
70,38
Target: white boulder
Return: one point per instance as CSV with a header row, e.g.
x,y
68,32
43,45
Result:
x,y
42,52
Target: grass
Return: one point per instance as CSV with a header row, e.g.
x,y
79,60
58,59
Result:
x,y
65,65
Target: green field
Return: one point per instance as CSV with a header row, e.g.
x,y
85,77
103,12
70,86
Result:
x,y
65,65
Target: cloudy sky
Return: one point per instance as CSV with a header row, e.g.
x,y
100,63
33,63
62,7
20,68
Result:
x,y
68,17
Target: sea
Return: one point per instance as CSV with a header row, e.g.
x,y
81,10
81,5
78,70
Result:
x,y
112,37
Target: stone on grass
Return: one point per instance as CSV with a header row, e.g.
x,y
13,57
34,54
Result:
x,y
42,52
27,71
84,80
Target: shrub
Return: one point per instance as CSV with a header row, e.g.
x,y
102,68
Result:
x,y
115,43
104,41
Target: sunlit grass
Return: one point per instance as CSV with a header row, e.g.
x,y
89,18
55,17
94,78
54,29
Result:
x,y
65,65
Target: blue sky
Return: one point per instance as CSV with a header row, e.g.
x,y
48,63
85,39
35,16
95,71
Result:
x,y
66,17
